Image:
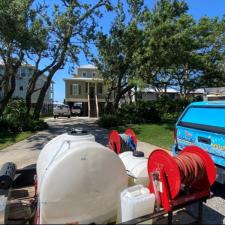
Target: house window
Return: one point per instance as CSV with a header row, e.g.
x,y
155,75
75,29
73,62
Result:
x,y
99,87
30,71
76,89
94,74
21,88
23,72
84,74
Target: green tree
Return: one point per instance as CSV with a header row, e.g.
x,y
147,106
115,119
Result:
x,y
214,53
178,50
17,38
65,34
116,49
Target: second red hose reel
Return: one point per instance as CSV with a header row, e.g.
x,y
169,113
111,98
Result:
x,y
181,179
115,142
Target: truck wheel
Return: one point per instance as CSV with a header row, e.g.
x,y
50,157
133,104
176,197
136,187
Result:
x,y
68,116
55,116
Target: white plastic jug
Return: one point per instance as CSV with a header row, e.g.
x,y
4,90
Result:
x,y
136,201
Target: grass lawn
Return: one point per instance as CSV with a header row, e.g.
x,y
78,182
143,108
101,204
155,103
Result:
x,y
7,138
160,134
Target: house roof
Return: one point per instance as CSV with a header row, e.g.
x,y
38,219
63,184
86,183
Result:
x,y
154,90
83,79
198,91
216,90
88,66
210,91
22,64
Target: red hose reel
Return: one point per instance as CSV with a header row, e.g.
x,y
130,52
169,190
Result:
x,y
115,140
179,180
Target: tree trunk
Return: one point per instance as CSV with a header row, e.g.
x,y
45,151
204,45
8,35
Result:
x,y
30,91
108,105
8,94
41,97
116,101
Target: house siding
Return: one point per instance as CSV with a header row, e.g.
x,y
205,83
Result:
x,y
92,92
88,72
69,87
22,80
83,92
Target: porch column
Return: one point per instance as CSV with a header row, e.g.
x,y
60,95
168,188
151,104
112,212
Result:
x,y
96,99
89,110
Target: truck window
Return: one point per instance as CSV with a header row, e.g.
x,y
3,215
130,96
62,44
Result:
x,y
204,118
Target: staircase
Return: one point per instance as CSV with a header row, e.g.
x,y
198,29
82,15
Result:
x,y
93,110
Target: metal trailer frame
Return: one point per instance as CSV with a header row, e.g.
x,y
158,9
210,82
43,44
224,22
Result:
x,y
162,212
28,172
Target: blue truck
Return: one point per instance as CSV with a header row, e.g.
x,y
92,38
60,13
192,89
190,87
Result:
x,y
203,124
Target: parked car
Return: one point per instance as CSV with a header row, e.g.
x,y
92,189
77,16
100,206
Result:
x,y
61,110
76,110
203,124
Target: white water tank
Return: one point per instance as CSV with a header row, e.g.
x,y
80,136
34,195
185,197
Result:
x,y
136,167
82,185
136,201
57,146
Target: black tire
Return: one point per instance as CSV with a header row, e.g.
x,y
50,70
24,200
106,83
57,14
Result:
x,y
68,117
55,116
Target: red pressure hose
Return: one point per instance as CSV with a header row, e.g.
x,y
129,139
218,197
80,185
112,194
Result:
x,y
191,166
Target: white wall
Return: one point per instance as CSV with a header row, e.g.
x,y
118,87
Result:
x,y
22,80
87,71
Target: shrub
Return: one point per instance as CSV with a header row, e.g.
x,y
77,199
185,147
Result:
x,y
131,114
38,125
171,108
16,119
146,111
139,112
109,120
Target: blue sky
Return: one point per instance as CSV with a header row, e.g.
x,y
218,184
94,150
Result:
x,y
197,8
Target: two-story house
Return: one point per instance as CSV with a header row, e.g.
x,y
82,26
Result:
x,y
22,79
86,87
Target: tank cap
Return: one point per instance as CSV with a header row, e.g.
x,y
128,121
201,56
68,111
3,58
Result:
x,y
78,132
138,154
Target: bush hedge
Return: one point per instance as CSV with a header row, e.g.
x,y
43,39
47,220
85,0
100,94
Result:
x,y
16,119
132,113
145,111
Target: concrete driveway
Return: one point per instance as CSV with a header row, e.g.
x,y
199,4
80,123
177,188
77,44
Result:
x,y
26,152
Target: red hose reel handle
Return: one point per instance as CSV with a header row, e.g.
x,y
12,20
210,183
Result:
x,y
160,160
